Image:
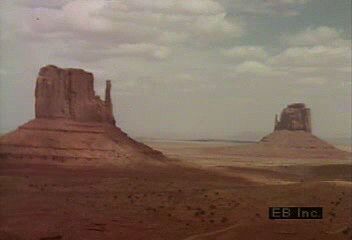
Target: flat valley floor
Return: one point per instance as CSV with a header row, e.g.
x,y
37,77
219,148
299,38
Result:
x,y
203,193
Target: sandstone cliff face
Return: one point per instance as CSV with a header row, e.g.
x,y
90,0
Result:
x,y
69,93
294,117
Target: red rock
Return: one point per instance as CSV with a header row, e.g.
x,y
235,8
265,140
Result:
x,y
69,93
72,123
294,117
291,139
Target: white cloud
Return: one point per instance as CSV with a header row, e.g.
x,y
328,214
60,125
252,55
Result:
x,y
85,15
267,7
316,56
133,24
73,17
183,7
315,36
320,56
199,6
286,2
43,4
246,52
311,80
178,17
3,72
254,68
86,53
216,24
173,37
141,49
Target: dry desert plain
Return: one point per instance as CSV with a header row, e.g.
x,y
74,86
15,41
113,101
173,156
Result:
x,y
204,191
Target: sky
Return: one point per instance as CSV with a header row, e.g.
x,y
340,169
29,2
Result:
x,y
186,68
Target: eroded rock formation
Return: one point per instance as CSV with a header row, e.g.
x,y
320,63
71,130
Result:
x,y
294,117
72,123
69,93
292,138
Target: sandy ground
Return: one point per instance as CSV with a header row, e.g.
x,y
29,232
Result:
x,y
196,196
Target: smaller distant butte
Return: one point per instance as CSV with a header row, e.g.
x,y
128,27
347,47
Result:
x,y
292,138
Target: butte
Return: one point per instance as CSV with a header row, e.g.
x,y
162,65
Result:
x,y
73,125
292,138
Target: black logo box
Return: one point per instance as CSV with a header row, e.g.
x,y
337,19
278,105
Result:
x,y
295,213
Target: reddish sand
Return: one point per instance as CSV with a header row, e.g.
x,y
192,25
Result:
x,y
195,198
287,144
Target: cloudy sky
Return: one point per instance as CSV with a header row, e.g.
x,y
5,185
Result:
x,y
186,68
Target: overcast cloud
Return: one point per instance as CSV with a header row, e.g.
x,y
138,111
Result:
x,y
186,69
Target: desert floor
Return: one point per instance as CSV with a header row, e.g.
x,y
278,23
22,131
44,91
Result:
x,y
201,194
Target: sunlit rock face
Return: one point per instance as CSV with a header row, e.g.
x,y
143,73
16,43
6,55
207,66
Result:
x,y
294,117
69,93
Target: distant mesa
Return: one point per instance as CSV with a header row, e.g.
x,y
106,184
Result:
x,y
71,122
